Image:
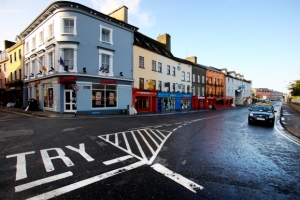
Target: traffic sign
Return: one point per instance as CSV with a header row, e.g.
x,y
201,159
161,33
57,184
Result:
x,y
75,88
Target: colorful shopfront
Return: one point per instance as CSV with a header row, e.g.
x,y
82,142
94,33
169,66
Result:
x,y
144,100
81,95
218,102
198,102
171,101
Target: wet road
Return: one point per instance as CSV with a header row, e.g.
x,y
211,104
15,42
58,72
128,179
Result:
x,y
201,155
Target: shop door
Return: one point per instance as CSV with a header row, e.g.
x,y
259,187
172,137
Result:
x,y
70,101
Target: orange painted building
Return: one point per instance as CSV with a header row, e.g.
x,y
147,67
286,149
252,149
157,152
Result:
x,y
215,83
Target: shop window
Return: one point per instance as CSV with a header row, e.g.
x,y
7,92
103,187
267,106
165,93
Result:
x,y
48,95
104,96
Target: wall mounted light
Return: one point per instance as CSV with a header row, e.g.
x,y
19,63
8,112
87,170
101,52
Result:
x,y
121,73
84,70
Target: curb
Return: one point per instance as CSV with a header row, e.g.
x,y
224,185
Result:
x,y
286,128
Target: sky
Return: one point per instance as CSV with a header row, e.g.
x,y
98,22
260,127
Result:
x,y
259,39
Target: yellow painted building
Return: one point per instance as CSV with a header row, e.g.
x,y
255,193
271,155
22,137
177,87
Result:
x,y
14,74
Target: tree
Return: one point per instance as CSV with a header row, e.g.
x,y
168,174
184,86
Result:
x,y
295,87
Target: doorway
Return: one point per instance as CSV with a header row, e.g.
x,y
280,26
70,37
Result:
x,y
70,101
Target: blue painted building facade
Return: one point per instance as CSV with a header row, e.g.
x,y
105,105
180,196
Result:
x,y
78,60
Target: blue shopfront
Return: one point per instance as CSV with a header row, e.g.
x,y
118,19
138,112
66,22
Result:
x,y
172,101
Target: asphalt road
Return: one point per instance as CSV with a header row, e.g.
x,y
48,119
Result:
x,y
203,155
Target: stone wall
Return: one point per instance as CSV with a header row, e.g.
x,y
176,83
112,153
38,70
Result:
x,y
295,106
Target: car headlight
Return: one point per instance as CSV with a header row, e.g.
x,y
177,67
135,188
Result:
x,y
271,116
251,114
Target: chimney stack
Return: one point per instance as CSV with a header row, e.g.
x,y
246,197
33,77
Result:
x,y
192,59
120,14
166,40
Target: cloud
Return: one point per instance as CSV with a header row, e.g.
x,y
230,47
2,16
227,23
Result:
x,y
145,18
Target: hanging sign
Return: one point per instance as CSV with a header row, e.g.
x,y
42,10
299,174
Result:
x,y
75,88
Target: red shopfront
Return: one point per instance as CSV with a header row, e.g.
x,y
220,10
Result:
x,y
198,103
144,100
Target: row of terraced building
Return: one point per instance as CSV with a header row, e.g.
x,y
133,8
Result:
x,y
72,58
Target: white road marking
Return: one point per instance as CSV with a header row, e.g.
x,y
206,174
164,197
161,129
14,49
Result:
x,y
71,129
179,126
179,123
174,129
156,135
21,164
80,184
61,155
42,181
161,134
81,151
126,142
152,138
139,146
147,143
116,160
177,178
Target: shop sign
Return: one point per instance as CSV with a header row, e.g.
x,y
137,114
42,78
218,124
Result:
x,y
106,81
67,79
86,87
144,92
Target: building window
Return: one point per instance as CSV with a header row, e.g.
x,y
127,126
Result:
x,y
41,63
188,76
33,68
4,80
159,67
141,83
153,65
106,35
27,47
173,71
33,43
41,37
194,92
188,89
199,94
11,76
159,85
20,55
69,58
20,74
4,67
0,68
50,31
50,61
168,69
141,62
69,25
10,58
193,78
183,76
203,79
0,83
198,78
104,95
15,75
183,88
106,62
26,73
15,56
202,91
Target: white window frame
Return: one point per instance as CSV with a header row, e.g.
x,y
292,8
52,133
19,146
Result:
x,y
61,54
111,67
33,68
110,38
50,30
41,64
49,60
188,76
26,73
27,47
41,37
63,26
194,78
33,43
182,76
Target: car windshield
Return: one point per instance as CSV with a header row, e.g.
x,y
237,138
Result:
x,y
261,109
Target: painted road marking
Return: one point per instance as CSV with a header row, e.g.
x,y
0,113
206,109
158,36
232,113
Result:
x,y
192,186
42,181
116,160
21,164
80,184
148,146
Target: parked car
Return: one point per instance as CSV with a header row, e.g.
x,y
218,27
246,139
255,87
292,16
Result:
x,y
262,114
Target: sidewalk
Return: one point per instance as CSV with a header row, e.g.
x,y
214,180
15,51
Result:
x,y
290,119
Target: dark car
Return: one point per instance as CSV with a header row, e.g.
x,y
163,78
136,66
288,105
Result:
x,y
262,114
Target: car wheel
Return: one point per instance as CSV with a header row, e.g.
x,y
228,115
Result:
x,y
272,124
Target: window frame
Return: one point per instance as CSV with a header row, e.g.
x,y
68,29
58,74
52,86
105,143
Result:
x,y
153,65
141,83
62,26
110,35
168,70
173,71
111,67
141,61
188,76
159,67
183,76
